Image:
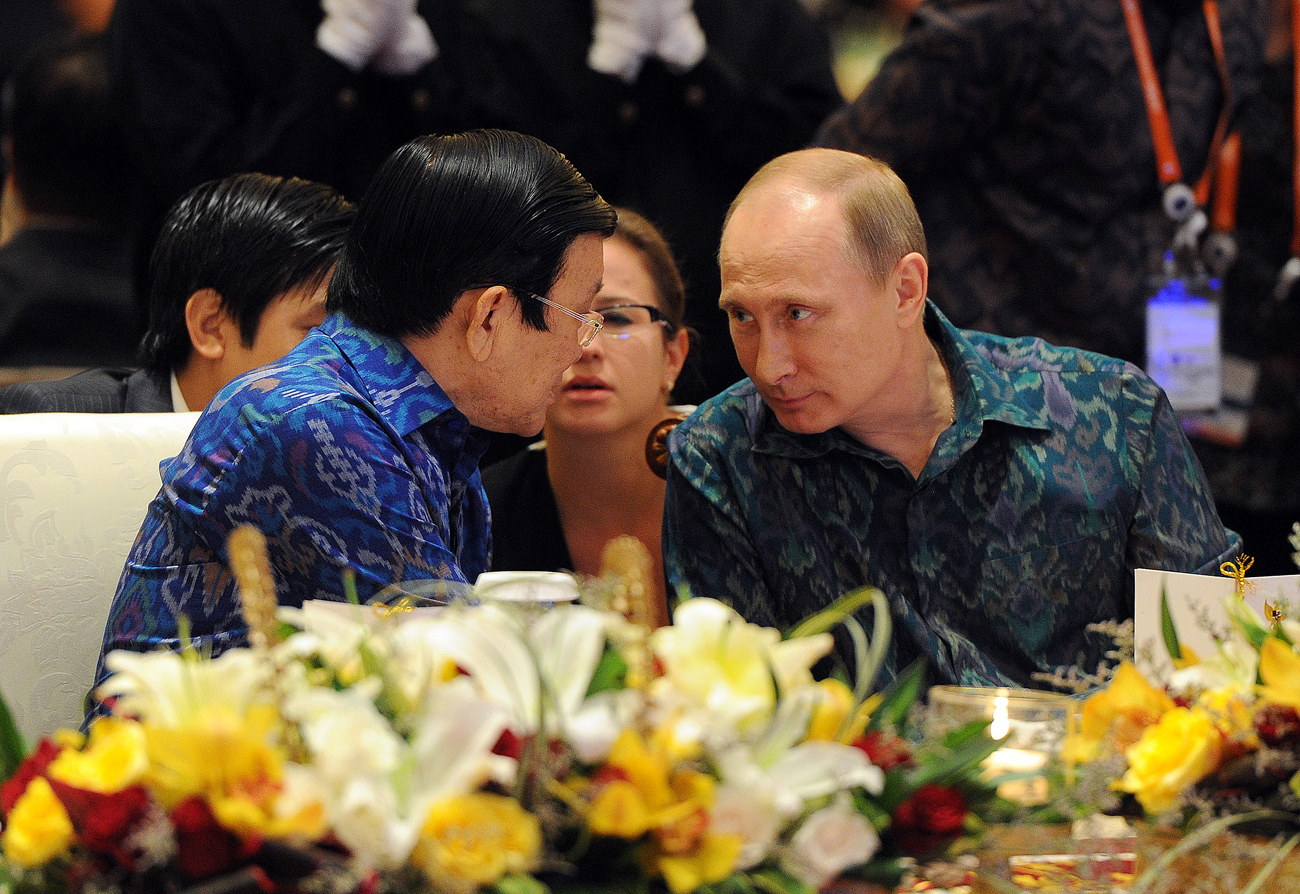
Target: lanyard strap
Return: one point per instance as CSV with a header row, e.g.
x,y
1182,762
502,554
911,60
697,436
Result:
x,y
1167,165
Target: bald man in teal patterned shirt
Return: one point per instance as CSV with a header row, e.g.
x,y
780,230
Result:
x,y
1000,492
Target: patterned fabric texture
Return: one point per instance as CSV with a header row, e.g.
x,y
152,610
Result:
x,y
1064,471
346,454
1019,128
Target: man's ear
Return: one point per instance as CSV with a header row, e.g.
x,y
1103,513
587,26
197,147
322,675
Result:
x,y
911,281
209,325
486,315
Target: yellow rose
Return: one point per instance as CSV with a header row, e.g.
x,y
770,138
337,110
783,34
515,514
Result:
x,y
477,839
619,810
1118,714
38,829
1175,754
114,758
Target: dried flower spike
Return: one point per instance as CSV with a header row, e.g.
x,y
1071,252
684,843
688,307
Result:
x,y
251,565
627,561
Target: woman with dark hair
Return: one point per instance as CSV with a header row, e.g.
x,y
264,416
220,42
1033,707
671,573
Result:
x,y
463,293
556,505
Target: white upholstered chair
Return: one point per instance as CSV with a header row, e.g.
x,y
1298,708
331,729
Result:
x,y
74,488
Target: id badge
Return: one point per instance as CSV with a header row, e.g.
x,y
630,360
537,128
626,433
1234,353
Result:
x,y
1184,353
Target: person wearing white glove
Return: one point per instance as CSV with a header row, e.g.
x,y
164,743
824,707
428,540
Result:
x,y
627,32
389,34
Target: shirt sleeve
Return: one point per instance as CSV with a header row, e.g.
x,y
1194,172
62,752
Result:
x,y
1175,525
708,548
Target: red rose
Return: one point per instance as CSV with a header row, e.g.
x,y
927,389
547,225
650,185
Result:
x,y
104,821
932,808
203,845
1278,725
929,820
36,764
885,750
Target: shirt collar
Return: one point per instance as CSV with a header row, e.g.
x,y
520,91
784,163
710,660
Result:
x,y
985,391
401,389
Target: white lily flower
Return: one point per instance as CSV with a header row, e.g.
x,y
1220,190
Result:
x,y
721,667
172,688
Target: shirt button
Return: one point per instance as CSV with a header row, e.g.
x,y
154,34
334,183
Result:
x,y
628,112
347,99
420,100
695,96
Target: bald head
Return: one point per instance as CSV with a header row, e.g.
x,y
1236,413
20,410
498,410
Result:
x,y
881,223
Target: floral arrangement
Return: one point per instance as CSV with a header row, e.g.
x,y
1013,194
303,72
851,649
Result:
x,y
1215,745
490,747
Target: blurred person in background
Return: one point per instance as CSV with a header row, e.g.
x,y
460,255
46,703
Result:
x,y
557,504
1254,466
667,106
238,278
66,296
1019,127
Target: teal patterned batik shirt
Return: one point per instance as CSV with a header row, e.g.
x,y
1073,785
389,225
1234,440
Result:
x,y
1064,471
346,454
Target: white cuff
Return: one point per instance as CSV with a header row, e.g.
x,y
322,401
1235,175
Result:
x,y
410,49
346,40
682,45
617,50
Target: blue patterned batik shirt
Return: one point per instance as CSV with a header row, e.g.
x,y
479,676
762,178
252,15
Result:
x,y
1064,471
346,454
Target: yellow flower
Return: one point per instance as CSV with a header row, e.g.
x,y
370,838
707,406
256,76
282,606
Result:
x,y
1279,668
38,829
1175,754
619,810
1118,714
231,762
1232,715
113,759
834,702
473,840
653,796
713,859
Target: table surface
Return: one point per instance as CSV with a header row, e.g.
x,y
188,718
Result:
x,y
1226,864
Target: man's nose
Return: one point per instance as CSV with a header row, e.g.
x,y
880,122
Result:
x,y
774,360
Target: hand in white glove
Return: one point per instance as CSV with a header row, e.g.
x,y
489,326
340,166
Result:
x,y
625,32
354,31
681,41
389,33
411,46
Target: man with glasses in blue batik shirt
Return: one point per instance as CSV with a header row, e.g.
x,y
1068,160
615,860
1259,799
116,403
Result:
x,y
1000,492
463,293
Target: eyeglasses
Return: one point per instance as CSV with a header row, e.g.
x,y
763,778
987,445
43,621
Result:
x,y
592,322
620,319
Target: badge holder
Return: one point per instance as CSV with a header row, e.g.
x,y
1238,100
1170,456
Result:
x,y
1184,349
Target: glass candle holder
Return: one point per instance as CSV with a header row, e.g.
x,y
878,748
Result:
x,y
539,590
1032,725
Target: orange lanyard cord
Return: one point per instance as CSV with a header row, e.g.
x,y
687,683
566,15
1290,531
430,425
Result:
x,y
1162,138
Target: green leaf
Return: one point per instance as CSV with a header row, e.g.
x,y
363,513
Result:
x,y
956,763
610,672
898,697
1167,629
826,619
774,881
13,750
520,883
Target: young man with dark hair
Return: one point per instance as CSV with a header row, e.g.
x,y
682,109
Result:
x,y
462,295
237,278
